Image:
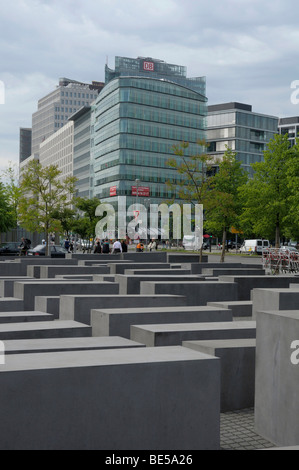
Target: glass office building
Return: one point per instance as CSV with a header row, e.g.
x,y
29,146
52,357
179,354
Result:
x,y
82,157
290,126
247,133
25,144
139,116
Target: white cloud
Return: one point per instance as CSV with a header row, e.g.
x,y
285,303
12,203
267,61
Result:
x,y
247,49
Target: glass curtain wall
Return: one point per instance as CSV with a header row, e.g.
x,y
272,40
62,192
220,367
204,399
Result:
x,y
137,123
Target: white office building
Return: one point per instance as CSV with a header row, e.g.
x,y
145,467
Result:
x,y
58,150
55,108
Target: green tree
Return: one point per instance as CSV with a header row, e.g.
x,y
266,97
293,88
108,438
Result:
x,y
266,197
194,169
194,172
224,204
291,220
13,191
66,216
7,216
43,194
85,222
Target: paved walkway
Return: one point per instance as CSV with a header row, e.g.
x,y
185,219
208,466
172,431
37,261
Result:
x,y
237,431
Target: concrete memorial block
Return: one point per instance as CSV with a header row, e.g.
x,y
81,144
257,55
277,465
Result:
x,y
24,316
7,284
11,304
28,290
237,358
196,268
175,334
12,268
129,284
119,268
247,283
118,321
239,308
277,376
34,263
48,304
219,272
43,329
146,257
75,277
185,258
52,271
78,307
274,299
100,258
160,398
196,292
169,271
104,277
29,346
107,259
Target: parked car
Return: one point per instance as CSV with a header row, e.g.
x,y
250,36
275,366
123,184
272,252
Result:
x,y
289,248
56,251
232,245
254,246
10,249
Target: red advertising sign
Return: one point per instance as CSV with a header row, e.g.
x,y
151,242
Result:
x,y
143,191
113,191
148,66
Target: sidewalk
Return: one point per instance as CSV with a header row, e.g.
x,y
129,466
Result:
x,y
237,431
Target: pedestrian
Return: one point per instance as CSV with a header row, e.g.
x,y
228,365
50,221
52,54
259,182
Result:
x,y
152,245
117,248
97,247
106,246
24,246
124,246
140,247
67,244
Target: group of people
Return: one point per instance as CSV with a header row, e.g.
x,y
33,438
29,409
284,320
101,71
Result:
x,y
103,246
120,246
69,245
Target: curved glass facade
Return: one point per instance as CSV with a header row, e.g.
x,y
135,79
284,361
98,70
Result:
x,y
138,120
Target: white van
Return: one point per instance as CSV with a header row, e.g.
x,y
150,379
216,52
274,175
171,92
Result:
x,y
254,246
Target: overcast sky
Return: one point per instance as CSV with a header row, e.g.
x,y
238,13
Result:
x,y
247,50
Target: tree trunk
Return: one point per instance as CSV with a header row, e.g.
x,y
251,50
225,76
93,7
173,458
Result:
x,y
277,233
47,242
223,246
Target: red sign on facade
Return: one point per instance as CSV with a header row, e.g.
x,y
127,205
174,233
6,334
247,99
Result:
x,y
143,191
148,66
113,191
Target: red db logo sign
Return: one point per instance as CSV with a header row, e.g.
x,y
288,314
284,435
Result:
x,y
148,66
